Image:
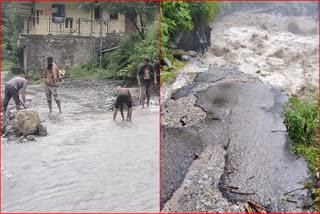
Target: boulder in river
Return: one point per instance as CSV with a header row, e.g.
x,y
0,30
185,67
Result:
x,y
42,131
27,122
8,128
31,137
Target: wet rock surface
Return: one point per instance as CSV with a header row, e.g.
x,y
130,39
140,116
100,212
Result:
x,y
246,154
200,188
184,109
27,122
98,94
21,126
179,148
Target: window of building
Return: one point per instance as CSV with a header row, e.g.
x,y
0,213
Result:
x,y
97,13
69,22
58,13
38,14
33,17
114,16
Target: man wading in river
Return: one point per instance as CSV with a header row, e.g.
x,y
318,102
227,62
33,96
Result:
x,y
52,78
123,97
144,77
12,89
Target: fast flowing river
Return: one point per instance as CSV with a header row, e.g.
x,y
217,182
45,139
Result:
x,y
86,163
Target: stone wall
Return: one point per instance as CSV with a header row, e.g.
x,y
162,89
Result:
x,y
66,50
110,42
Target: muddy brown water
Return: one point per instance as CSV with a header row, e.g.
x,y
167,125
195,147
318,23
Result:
x,y
86,163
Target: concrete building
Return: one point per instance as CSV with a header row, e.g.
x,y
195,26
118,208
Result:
x,y
66,32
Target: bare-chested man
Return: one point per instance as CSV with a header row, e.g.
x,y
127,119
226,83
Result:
x,y
123,98
52,78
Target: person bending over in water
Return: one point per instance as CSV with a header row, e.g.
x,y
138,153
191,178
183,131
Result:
x,y
11,90
123,97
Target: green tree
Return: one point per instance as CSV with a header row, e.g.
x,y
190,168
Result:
x,y
175,17
11,25
203,13
125,61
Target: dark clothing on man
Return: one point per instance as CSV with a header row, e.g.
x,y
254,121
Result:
x,y
10,92
146,75
12,89
123,97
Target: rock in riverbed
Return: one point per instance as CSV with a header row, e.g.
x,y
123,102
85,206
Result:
x,y
27,122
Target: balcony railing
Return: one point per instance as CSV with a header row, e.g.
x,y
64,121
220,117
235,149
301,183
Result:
x,y
72,26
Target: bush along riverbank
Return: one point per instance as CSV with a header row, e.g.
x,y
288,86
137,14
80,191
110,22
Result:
x,y
301,119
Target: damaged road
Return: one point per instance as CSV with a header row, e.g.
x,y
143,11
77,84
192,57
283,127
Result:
x,y
234,149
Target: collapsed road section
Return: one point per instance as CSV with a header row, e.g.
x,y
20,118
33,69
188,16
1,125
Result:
x,y
225,147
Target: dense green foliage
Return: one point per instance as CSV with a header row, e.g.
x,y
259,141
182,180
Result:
x,y
179,17
175,17
204,12
301,119
311,156
6,65
11,24
124,62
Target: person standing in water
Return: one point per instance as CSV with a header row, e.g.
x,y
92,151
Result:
x,y
144,78
123,98
11,90
52,79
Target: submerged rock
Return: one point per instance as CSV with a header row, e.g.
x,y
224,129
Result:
x,y
22,123
31,137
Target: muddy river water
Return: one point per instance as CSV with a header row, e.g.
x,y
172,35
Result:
x,y
86,163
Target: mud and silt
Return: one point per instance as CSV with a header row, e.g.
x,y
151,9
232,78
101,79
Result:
x,y
234,149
